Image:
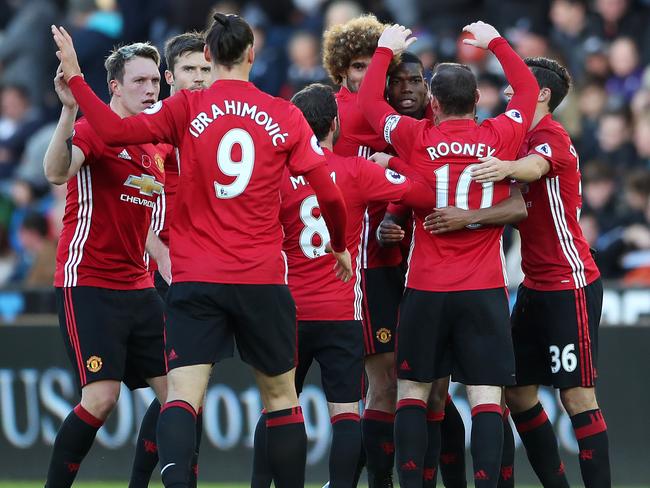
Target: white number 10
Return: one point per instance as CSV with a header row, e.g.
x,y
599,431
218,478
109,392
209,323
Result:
x,y
462,188
242,170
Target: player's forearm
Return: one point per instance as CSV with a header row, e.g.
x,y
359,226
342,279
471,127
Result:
x,y
371,93
403,168
155,247
420,195
519,76
58,157
110,127
509,211
529,168
332,205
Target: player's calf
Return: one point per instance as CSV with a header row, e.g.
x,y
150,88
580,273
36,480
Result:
x,y
487,433
346,444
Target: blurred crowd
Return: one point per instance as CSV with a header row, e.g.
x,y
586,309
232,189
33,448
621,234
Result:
x,y
604,43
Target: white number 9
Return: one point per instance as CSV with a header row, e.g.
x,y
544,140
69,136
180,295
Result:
x,y
241,170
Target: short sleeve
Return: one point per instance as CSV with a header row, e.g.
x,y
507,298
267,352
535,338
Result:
x,y
305,153
377,184
557,151
86,139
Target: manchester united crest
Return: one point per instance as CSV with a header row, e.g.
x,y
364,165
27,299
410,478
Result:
x,y
160,162
384,335
94,364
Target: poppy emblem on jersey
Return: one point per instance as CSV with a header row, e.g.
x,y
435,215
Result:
x,y
389,126
160,162
545,149
155,108
515,115
94,364
316,146
394,177
383,335
147,184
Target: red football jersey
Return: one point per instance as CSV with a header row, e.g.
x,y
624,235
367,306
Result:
x,y
445,154
318,294
554,253
358,138
108,211
165,203
234,140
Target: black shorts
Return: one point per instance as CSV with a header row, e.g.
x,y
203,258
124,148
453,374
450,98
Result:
x,y
382,291
160,284
113,334
462,333
338,348
555,334
205,319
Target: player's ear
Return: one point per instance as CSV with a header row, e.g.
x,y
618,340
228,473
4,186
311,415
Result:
x,y
113,87
206,54
544,95
169,77
335,124
477,96
251,54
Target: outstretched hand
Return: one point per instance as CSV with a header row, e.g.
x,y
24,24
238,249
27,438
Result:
x,y
63,90
483,34
66,53
396,38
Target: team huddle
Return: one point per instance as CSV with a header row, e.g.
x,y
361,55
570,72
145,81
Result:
x,y
360,228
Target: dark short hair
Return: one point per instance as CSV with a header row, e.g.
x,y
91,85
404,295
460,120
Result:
x,y
454,86
552,75
119,56
318,104
405,58
227,38
188,42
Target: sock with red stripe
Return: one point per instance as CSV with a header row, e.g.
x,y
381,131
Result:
x,y
176,442
377,435
72,443
262,476
591,433
146,448
487,444
452,455
537,435
345,449
432,454
194,471
410,441
507,474
286,447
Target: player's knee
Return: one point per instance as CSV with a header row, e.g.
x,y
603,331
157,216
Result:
x,y
520,399
578,400
100,400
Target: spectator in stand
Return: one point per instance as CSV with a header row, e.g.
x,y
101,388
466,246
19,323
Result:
x,y
592,99
491,102
642,139
305,66
570,33
341,11
627,73
614,141
615,18
599,195
266,73
40,250
19,119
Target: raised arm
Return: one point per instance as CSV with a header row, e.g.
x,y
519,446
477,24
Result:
x,y
521,79
111,128
62,159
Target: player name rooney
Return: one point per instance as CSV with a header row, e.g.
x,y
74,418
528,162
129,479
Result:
x,y
460,149
232,107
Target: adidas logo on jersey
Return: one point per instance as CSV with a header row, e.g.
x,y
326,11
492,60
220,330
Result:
x,y
124,155
409,466
172,355
405,366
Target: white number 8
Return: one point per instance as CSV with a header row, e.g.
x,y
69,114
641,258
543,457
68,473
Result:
x,y
567,360
242,170
313,226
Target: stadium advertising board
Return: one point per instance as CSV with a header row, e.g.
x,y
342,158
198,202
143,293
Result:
x,y
37,390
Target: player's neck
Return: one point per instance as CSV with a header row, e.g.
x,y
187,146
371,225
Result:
x,y
444,117
240,73
328,142
540,113
119,109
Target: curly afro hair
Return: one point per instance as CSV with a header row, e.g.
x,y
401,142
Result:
x,y
344,42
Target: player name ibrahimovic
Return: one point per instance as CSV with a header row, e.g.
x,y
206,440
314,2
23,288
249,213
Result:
x,y
232,107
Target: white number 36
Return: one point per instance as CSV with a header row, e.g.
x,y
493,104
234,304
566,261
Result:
x,y
566,360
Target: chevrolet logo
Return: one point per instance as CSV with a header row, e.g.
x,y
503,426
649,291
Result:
x,y
147,184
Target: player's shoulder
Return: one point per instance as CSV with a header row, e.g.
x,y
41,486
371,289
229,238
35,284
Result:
x,y
83,130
